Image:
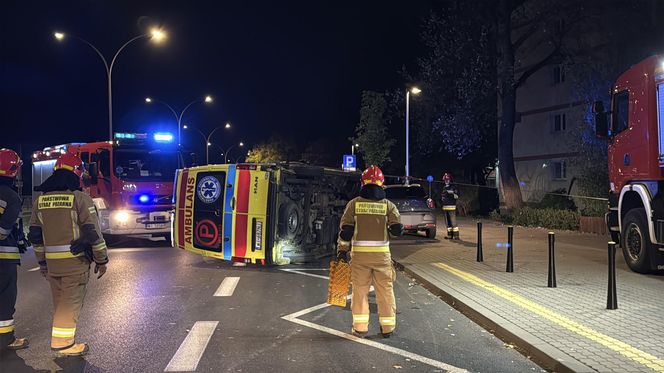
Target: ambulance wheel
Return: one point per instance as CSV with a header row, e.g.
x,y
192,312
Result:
x,y
290,221
431,233
636,243
112,240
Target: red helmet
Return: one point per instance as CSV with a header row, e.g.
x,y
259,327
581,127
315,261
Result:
x,y
10,163
447,177
373,175
70,162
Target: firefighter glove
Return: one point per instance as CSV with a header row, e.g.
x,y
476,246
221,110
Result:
x,y
100,269
343,255
396,229
43,270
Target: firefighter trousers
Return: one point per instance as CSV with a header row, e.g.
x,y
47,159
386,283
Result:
x,y
376,269
68,294
7,302
450,220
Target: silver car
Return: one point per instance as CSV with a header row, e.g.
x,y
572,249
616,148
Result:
x,y
415,207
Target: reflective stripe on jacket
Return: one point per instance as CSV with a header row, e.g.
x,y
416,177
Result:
x,y
371,219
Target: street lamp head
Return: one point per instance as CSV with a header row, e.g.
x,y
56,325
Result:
x,y
241,143
157,35
148,100
357,145
208,99
59,35
209,144
415,90
228,125
185,126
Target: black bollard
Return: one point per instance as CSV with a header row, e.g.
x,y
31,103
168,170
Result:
x,y
510,258
552,261
480,256
612,297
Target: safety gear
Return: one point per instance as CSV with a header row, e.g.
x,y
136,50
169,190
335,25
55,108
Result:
x,y
373,175
447,177
101,269
70,162
385,335
449,198
396,230
64,225
358,334
78,349
19,344
347,232
43,270
10,163
371,215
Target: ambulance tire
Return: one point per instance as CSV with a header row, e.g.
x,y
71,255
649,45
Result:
x,y
290,221
636,244
112,240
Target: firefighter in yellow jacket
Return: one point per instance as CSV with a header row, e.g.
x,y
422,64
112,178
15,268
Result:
x,y
365,229
64,229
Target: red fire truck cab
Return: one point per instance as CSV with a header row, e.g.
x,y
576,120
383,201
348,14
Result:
x,y
129,179
634,127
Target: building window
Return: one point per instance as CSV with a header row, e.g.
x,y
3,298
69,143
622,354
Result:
x,y
559,169
559,123
558,74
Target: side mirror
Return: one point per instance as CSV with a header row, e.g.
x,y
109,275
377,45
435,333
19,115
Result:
x,y
601,120
93,174
598,107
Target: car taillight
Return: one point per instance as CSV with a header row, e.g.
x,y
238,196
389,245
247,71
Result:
x,y
430,203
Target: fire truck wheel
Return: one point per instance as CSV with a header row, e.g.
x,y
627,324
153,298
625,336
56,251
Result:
x,y
636,243
290,221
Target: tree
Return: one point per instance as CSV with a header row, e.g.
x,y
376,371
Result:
x,y
277,149
371,132
321,153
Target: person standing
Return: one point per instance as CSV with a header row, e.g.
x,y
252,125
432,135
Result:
x,y
449,198
12,244
64,229
366,225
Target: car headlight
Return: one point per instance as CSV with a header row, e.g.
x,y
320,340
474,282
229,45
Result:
x,y
121,217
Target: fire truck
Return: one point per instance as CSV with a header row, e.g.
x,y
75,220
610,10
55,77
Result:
x,y
634,127
261,213
129,179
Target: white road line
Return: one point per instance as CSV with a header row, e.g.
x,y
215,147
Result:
x,y
305,273
367,342
33,269
227,287
191,350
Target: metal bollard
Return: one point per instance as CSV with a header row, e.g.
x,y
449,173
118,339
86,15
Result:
x,y
510,256
480,256
552,261
612,296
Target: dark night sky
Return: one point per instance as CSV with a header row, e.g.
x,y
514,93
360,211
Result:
x,y
296,68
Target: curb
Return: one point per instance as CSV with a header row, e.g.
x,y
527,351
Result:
x,y
547,356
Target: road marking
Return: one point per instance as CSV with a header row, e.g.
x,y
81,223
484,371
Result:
x,y
397,351
136,250
299,271
294,318
191,350
227,287
33,269
630,352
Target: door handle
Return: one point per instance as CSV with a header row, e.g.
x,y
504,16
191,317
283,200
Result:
x,y
233,203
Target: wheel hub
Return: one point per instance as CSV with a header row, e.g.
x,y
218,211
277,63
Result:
x,y
634,242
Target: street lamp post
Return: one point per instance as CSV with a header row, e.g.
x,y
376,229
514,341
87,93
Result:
x,y
155,34
178,117
415,91
229,149
353,147
207,138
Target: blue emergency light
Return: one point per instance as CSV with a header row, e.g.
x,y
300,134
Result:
x,y
144,198
163,137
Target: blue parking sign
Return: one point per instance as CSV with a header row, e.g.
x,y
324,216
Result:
x,y
349,163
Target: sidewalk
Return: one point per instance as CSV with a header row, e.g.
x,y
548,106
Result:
x,y
567,328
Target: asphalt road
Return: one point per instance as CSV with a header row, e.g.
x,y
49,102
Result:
x,y
156,310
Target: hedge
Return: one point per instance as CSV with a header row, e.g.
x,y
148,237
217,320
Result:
x,y
546,218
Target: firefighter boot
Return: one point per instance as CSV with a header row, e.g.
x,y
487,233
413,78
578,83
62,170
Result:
x,y
77,349
386,335
18,344
455,235
450,235
358,334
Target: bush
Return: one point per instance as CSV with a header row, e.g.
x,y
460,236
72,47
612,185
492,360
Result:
x,y
546,218
594,208
556,201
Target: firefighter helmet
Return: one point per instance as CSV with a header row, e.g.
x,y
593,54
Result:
x,y
70,162
373,175
10,163
447,177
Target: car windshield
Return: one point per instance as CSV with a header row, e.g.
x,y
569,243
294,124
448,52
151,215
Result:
x,y
405,192
145,165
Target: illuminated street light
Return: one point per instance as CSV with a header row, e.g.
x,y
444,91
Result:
x,y
155,35
241,144
207,138
415,91
209,144
178,117
228,125
353,147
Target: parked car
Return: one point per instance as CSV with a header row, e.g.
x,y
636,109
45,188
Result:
x,y
415,207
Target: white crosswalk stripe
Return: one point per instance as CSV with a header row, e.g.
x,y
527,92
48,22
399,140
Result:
x,y
227,287
191,350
